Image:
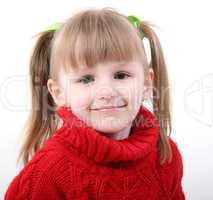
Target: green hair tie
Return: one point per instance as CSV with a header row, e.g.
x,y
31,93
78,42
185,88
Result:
x,y
136,22
53,27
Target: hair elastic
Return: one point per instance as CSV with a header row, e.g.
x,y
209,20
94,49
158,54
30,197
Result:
x,y
53,27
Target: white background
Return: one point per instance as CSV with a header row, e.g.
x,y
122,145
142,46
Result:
x,y
185,31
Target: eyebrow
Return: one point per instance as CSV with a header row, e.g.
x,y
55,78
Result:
x,y
116,64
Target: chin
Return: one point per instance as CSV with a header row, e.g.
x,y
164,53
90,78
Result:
x,y
109,123
108,130
109,127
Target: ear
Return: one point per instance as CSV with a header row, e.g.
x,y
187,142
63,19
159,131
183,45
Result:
x,y
148,85
56,93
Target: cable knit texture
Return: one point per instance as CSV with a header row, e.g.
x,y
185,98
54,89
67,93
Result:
x,y
80,163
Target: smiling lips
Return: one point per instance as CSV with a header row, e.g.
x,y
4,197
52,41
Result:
x,y
109,108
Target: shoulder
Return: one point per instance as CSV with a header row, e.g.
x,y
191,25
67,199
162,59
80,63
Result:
x,y
45,169
172,170
177,160
176,163
171,173
50,157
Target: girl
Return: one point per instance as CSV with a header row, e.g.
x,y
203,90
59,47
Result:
x,y
91,73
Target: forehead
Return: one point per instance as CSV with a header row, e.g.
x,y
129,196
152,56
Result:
x,y
108,66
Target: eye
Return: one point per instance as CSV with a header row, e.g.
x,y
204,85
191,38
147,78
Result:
x,y
122,75
86,79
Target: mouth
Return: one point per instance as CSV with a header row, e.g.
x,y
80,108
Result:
x,y
109,108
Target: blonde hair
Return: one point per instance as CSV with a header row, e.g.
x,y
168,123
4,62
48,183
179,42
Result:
x,y
87,38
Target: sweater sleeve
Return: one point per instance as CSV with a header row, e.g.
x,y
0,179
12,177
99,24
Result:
x,y
23,187
177,192
39,179
12,190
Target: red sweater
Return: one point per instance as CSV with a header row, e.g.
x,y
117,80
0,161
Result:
x,y
79,163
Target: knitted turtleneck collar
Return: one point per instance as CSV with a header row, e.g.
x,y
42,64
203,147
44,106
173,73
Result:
x,y
141,141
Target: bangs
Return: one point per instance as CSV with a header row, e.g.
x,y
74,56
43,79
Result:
x,y
96,36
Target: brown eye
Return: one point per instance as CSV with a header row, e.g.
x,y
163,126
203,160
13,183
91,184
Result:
x,y
122,75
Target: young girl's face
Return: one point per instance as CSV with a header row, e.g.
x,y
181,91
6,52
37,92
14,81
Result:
x,y
107,97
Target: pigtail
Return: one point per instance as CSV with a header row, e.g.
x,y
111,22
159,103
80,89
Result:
x,y
161,93
41,121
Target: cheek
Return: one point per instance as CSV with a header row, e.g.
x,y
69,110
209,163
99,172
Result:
x,y
133,91
79,98
139,87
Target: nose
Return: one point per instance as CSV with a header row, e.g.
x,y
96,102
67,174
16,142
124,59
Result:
x,y
106,92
